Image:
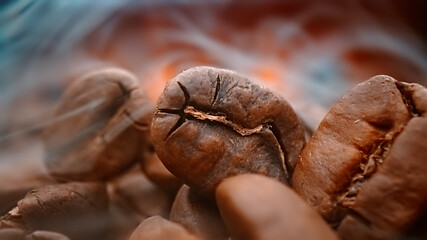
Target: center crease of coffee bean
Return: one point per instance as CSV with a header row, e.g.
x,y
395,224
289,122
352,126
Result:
x,y
187,111
374,159
222,119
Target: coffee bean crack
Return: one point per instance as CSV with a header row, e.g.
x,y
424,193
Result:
x,y
193,112
372,161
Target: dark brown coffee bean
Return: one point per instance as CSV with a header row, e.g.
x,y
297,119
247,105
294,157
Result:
x,y
46,235
159,174
198,215
255,207
213,123
158,228
77,210
12,234
98,127
359,165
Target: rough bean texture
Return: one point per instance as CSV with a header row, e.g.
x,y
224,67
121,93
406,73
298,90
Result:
x,y
255,207
365,165
158,228
77,210
213,123
99,125
198,215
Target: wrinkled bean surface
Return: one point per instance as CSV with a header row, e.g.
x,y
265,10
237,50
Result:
x,y
366,162
212,123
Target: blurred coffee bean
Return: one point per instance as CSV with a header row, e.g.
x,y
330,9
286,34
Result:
x,y
133,198
20,172
77,210
366,61
158,228
123,219
159,174
213,123
255,207
198,215
97,127
12,234
141,194
364,166
46,235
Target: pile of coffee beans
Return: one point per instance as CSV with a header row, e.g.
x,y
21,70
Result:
x,y
221,157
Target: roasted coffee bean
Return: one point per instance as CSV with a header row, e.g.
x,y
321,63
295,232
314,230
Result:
x,y
46,235
12,234
123,218
213,123
141,194
159,174
396,196
158,228
364,167
98,127
77,210
255,207
133,198
20,174
198,215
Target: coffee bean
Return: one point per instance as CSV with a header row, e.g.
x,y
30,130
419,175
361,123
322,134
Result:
x,y
133,198
396,196
98,126
140,194
77,210
256,207
198,215
158,228
159,174
19,178
46,235
12,234
366,161
213,123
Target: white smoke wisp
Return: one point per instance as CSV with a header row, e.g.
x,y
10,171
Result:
x,y
310,55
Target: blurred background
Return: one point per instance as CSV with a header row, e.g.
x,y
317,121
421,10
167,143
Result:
x,y
311,52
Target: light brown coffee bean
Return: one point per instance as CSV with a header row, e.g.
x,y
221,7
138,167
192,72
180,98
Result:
x,y
159,174
364,165
255,207
158,228
214,123
46,235
198,215
395,197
